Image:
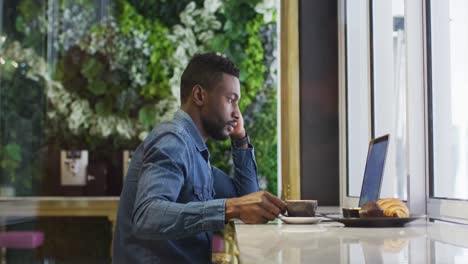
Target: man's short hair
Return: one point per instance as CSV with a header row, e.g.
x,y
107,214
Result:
x,y
205,70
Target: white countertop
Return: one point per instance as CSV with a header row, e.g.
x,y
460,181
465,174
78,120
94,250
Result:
x,y
330,242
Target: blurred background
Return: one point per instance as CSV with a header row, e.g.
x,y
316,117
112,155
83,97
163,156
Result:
x,y
82,82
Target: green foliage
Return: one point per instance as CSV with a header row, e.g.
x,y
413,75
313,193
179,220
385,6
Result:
x,y
132,23
10,158
162,50
85,3
91,76
117,79
264,138
130,20
93,70
163,10
30,22
147,115
21,126
253,69
231,40
121,67
240,11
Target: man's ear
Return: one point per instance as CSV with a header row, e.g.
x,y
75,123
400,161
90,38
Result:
x,y
199,95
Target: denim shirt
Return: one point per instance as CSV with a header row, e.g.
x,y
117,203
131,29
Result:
x,y
173,198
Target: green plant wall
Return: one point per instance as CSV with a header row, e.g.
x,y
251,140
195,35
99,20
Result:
x,y
113,72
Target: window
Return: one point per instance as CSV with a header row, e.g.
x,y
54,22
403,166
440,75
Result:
x,y
389,91
358,108
446,253
448,94
418,94
372,112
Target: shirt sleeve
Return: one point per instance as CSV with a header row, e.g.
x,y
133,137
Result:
x,y
156,214
245,178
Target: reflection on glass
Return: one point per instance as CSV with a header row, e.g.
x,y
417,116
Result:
x,y
389,92
445,253
42,111
449,39
379,251
400,112
389,50
22,97
386,251
357,75
95,77
389,66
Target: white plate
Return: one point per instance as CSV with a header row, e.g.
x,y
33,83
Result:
x,y
300,220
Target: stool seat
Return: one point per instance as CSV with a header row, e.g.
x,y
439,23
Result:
x,y
21,239
217,244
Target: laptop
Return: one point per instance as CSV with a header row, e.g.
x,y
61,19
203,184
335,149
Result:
x,y
375,164
373,173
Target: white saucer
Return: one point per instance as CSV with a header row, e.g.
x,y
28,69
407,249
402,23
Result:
x,y
300,220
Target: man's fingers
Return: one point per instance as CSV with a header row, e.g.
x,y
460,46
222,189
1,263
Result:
x,y
260,207
267,215
276,201
272,208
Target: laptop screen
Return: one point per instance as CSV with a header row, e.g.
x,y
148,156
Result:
x,y
373,173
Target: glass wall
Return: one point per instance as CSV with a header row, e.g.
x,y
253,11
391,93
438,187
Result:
x,y
83,82
376,91
447,253
424,112
448,94
358,92
389,91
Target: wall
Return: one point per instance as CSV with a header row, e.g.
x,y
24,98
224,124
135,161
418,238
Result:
x,y
318,42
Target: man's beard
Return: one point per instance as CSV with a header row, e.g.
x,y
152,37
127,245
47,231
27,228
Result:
x,y
215,129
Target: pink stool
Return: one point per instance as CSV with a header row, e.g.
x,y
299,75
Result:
x,y
217,244
21,239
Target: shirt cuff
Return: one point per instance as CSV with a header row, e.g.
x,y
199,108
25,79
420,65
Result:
x,y
244,157
250,147
214,212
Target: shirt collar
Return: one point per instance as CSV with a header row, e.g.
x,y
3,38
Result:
x,y
192,129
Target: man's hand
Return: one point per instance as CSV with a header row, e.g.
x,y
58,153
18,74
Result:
x,y
254,208
239,131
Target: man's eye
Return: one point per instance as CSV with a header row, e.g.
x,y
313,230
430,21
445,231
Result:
x,y
230,100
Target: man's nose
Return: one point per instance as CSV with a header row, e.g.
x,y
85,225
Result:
x,y
236,112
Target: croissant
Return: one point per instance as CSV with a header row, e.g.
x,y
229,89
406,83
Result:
x,y
393,207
